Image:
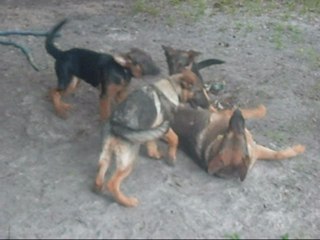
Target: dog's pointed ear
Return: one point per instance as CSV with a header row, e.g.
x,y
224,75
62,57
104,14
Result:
x,y
167,49
243,170
193,54
215,165
244,167
121,60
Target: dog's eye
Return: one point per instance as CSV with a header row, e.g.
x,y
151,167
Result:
x,y
187,85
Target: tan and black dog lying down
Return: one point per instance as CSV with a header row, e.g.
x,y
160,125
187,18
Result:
x,y
220,142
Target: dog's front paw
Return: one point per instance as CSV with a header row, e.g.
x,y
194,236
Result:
x,y
130,202
172,158
63,109
262,111
155,154
98,186
152,150
299,148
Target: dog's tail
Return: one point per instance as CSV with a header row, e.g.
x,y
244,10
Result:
x,y
50,47
208,63
140,135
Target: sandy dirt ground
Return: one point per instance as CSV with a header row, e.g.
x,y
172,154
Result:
x,y
48,165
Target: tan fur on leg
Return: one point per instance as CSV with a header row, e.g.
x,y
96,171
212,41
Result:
x,y
121,94
105,108
60,107
114,187
173,141
72,86
265,153
152,149
104,162
106,101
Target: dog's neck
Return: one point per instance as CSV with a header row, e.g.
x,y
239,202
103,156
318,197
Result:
x,y
170,88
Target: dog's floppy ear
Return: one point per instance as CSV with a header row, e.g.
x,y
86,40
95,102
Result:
x,y
120,60
215,165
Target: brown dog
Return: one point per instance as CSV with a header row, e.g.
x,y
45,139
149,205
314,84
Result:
x,y
178,58
220,142
144,116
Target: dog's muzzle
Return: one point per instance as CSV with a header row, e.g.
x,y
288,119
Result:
x,y
200,99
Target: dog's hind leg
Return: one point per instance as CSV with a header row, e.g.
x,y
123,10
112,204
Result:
x,y
104,163
121,94
152,149
173,141
114,187
72,86
125,154
64,80
105,106
60,107
265,153
108,94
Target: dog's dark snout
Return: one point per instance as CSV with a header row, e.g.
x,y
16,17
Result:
x,y
200,99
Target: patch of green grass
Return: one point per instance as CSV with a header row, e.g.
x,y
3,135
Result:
x,y
310,6
234,236
222,29
198,8
276,136
277,40
189,10
295,33
244,28
175,2
227,6
238,25
170,21
143,6
285,237
259,7
288,31
254,7
312,56
314,91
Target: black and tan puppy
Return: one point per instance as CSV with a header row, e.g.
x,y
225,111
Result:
x,y
110,73
220,142
144,116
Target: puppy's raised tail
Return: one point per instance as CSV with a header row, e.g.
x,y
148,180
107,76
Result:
x,y
50,47
140,135
208,63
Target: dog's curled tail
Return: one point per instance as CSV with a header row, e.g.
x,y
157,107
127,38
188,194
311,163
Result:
x,y
50,47
208,63
141,135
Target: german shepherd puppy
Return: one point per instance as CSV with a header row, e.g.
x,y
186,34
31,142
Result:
x,y
110,73
144,116
178,59
220,142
